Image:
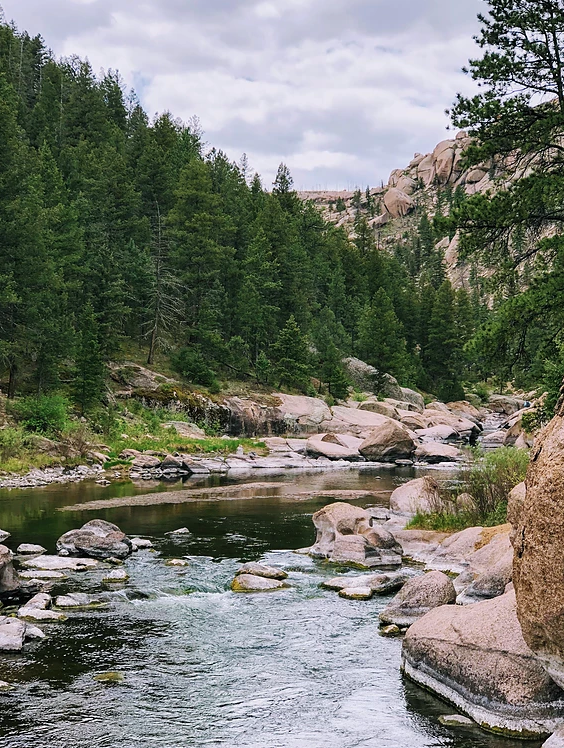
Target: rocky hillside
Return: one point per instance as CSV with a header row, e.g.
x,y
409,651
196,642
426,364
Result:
x,y
429,183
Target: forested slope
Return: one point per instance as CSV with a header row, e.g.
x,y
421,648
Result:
x,y
123,235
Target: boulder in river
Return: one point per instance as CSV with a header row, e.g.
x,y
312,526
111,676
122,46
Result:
x,y
417,597
356,593
4,535
380,584
252,583
389,442
348,535
116,576
12,634
475,657
435,452
79,600
60,563
30,549
262,570
38,609
97,539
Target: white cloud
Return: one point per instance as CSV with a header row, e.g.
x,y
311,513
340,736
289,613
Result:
x,y
342,90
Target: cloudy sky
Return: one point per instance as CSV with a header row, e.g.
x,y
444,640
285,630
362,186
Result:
x,y
343,91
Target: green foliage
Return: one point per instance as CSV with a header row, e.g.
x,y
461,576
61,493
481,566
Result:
x,y
488,480
190,363
42,414
291,356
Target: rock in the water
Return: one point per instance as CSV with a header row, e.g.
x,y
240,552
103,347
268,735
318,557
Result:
x,y
9,581
262,570
12,634
556,740
347,534
252,583
435,452
177,562
180,531
145,462
37,609
456,720
41,575
418,495
475,657
381,584
356,593
140,543
110,678
33,632
116,576
418,597
97,539
30,549
171,462
390,631
79,600
5,686
60,563
387,443
328,445
4,535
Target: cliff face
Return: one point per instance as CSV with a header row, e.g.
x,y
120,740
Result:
x,y
394,210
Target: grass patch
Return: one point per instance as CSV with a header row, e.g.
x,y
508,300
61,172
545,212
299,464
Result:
x,y
480,499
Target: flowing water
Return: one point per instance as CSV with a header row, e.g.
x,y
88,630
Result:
x,y
202,666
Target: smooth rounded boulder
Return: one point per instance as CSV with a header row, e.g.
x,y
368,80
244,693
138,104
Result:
x,y
475,657
418,597
390,441
253,583
96,539
348,535
418,495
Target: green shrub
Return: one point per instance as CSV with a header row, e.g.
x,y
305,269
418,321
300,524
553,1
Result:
x,y
488,480
190,363
42,414
13,441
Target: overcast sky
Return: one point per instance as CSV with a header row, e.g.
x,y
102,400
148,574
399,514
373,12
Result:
x,y
343,91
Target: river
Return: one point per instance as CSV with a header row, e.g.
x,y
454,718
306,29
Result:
x,y
202,666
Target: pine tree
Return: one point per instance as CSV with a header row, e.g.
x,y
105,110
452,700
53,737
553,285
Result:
x,y
380,337
291,356
333,372
88,384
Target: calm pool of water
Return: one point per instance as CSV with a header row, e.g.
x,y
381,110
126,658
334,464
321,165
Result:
x,y
202,666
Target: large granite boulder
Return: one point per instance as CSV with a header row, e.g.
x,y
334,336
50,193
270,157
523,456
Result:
x,y
475,657
418,597
389,442
506,404
97,539
556,740
334,447
348,535
397,203
418,495
359,423
12,634
538,572
302,414
436,452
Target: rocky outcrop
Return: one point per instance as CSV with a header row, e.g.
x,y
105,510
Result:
x,y
435,452
335,447
475,657
538,572
418,597
96,539
397,203
349,535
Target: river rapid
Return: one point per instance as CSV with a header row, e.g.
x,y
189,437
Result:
x,y
202,666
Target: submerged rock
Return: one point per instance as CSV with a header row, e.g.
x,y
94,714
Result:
x,y
418,597
4,535
177,562
42,575
252,583
5,686
262,570
475,657
456,720
347,534
97,539
109,678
